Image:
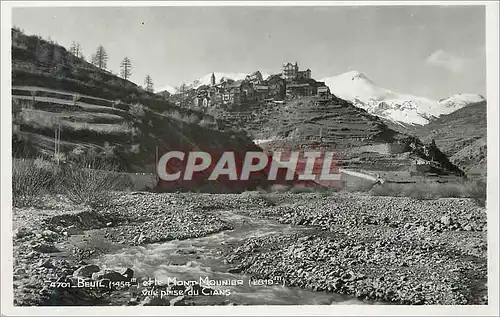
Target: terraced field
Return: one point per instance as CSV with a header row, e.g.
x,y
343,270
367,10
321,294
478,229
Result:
x,y
40,113
360,140
126,132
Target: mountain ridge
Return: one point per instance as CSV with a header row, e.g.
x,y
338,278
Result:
x,y
396,107
462,135
400,109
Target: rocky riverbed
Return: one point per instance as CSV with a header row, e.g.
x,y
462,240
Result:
x,y
52,244
398,250
395,250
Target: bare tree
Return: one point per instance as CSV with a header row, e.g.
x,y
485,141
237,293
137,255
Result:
x,y
184,94
76,49
72,49
126,68
148,83
100,58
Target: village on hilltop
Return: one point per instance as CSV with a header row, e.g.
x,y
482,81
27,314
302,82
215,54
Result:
x,y
291,83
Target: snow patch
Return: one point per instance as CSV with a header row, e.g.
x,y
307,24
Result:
x,y
170,89
356,87
458,101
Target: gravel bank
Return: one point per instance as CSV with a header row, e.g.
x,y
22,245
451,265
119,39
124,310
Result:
x,y
51,244
391,249
394,249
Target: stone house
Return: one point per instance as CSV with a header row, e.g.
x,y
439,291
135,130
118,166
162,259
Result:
x,y
232,93
323,92
261,92
248,90
306,74
291,72
255,78
276,86
299,89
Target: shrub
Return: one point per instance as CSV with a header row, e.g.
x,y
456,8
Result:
x,y
432,190
137,110
311,189
387,189
206,123
77,152
192,118
108,150
31,179
358,186
477,190
418,191
447,190
90,180
135,148
279,188
252,193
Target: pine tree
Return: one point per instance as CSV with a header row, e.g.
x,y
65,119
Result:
x,y
100,58
126,68
148,83
78,50
72,49
93,59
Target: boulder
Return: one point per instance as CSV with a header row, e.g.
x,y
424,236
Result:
x,y
22,232
73,230
446,220
142,239
45,248
19,271
185,251
86,270
129,273
50,235
111,275
177,301
133,301
46,263
153,301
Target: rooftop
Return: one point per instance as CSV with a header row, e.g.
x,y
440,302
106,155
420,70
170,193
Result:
x,y
297,85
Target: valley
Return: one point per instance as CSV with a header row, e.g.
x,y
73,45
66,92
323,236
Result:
x,y
406,225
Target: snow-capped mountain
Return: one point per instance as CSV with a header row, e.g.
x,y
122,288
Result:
x,y
205,80
458,101
170,89
393,106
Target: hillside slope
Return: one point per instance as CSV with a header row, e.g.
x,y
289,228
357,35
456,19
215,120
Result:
x,y
97,110
361,140
462,136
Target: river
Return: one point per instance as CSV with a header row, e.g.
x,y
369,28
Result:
x,y
188,260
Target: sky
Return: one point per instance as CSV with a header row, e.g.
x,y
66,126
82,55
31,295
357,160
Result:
x,y
428,51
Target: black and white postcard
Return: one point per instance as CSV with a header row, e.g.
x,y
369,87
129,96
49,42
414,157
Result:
x,y
249,158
